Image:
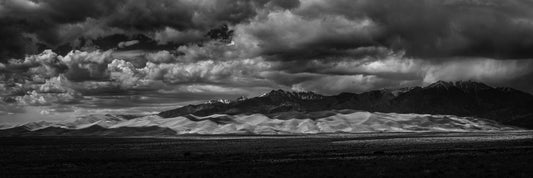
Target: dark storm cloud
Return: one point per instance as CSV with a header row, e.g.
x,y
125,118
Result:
x,y
351,45
438,40
43,18
442,28
286,4
14,43
426,29
27,26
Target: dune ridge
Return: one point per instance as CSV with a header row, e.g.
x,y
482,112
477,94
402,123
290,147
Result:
x,y
341,121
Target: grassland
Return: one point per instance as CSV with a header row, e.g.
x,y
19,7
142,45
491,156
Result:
x,y
504,154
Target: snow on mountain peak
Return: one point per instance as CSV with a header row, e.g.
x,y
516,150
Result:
x,y
462,85
223,101
440,84
241,98
307,95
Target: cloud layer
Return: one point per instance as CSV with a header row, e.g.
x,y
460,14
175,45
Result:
x,y
146,51
428,28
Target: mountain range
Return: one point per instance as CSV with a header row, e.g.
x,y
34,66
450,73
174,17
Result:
x,y
460,98
463,106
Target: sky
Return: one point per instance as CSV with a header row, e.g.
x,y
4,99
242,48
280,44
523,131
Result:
x,y
60,59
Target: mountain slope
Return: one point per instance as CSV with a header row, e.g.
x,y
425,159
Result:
x,y
462,98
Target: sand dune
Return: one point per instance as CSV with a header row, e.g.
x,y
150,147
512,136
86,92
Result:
x,y
345,121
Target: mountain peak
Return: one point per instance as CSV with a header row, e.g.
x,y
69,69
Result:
x,y
223,101
275,92
512,90
472,85
462,85
397,91
307,95
241,98
440,84
507,89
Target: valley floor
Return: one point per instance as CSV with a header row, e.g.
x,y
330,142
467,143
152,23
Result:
x,y
499,154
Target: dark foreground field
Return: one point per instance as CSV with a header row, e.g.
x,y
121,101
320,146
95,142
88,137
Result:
x,y
376,155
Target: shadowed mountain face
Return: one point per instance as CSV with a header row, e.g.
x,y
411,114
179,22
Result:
x,y
464,98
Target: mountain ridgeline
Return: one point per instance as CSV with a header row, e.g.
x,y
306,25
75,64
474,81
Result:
x,y
462,98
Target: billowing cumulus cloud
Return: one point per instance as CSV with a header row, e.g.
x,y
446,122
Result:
x,y
234,72
87,65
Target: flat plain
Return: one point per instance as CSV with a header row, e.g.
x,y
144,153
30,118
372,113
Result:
x,y
481,154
